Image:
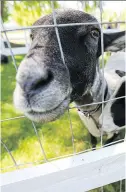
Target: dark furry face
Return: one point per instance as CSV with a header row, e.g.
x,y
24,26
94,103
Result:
x,y
45,85
79,45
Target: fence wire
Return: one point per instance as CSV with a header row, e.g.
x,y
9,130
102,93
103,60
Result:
x,y
103,83
62,25
63,59
33,124
56,26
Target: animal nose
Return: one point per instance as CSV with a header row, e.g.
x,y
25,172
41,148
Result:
x,y
38,83
33,76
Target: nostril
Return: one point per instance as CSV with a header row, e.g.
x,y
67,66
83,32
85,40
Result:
x,y
42,82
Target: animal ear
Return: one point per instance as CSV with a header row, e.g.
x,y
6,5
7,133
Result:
x,y
113,41
121,73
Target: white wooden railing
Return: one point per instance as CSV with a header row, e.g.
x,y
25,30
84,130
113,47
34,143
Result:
x,y
78,173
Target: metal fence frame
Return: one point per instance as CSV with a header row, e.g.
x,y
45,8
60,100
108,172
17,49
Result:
x,y
56,26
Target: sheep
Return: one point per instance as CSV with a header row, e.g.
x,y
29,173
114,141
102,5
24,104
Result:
x,y
112,118
45,85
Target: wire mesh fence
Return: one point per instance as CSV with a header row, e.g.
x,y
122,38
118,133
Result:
x,y
103,102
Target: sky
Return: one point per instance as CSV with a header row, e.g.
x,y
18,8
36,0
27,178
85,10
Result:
x,y
115,5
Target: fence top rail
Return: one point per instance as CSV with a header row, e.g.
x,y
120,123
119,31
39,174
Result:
x,y
61,25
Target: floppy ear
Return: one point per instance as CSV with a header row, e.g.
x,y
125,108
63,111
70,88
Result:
x,y
113,41
121,73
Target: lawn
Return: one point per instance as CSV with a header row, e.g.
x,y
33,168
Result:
x,y
19,135
20,138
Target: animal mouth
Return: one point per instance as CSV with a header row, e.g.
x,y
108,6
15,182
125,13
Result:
x,y
49,115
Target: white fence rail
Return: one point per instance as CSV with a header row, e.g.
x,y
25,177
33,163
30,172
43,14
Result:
x,y
18,50
78,173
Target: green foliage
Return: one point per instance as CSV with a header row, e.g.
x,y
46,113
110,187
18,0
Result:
x,y
90,6
110,15
5,11
27,12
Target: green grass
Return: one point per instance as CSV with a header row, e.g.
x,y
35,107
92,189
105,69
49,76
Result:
x,y
19,135
20,138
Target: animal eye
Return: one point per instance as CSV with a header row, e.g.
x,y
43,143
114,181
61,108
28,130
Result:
x,y
31,36
95,33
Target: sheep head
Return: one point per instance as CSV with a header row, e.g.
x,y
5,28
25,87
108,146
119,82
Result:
x,y
45,84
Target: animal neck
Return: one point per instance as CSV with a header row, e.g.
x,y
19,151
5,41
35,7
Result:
x,y
95,94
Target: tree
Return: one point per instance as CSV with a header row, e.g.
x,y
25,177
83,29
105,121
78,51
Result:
x,y
4,11
123,18
27,12
90,6
111,16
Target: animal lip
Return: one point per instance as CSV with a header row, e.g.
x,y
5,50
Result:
x,y
32,112
49,115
